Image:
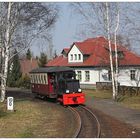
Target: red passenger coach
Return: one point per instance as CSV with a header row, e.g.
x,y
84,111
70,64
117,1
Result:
x,y
57,82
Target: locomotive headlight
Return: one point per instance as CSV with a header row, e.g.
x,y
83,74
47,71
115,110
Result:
x,y
67,91
79,90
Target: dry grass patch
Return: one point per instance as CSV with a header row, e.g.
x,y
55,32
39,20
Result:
x,y
98,93
131,102
31,119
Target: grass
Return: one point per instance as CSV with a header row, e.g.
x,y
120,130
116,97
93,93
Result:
x,y
98,94
132,102
30,119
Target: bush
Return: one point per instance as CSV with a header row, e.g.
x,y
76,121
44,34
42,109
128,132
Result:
x,y
24,82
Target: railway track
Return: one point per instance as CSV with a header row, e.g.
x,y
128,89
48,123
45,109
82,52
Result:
x,y
88,124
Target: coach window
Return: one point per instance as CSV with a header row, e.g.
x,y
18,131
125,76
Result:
x,y
32,78
45,79
35,78
40,79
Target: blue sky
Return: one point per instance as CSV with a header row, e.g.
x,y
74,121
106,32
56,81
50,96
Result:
x,y
66,30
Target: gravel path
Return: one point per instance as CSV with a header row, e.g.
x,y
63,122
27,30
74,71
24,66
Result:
x,y
126,117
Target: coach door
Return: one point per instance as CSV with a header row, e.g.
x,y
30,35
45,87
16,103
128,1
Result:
x,y
52,83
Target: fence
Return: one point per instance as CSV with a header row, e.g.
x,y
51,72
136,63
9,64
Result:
x,y
123,90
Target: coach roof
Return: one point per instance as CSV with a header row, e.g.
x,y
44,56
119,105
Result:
x,y
51,69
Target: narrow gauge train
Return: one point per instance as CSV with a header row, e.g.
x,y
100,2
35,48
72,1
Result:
x,y
57,82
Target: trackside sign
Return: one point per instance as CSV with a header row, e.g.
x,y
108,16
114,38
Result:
x,y
10,103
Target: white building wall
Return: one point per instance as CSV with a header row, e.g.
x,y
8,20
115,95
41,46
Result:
x,y
101,75
94,75
124,77
74,50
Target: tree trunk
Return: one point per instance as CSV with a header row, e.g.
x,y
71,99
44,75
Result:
x,y
116,54
110,50
6,56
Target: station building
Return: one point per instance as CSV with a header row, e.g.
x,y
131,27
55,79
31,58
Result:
x,y
90,59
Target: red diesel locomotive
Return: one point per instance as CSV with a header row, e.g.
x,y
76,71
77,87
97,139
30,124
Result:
x,y
57,82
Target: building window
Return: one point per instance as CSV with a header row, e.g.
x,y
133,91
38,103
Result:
x,y
79,56
79,75
71,57
87,76
75,56
133,74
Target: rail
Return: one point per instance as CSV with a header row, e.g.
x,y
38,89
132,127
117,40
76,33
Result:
x,y
79,122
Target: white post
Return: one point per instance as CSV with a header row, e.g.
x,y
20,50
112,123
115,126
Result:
x,y
10,103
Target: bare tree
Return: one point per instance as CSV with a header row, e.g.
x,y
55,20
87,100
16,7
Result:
x,y
116,53
103,18
110,49
6,54
20,24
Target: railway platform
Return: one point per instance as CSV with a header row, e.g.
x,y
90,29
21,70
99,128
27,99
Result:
x,y
113,109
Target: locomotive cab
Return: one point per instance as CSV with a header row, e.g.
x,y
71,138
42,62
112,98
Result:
x,y
68,84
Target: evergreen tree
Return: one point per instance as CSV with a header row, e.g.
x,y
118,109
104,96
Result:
x,y
14,73
28,54
42,60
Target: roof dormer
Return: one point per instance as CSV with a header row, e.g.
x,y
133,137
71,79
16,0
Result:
x,y
75,55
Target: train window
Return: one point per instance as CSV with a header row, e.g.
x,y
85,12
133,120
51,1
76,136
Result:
x,y
35,79
46,79
32,78
39,80
42,79
37,76
69,75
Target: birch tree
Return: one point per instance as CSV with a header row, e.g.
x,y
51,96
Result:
x,y
110,49
6,54
103,18
116,52
20,24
